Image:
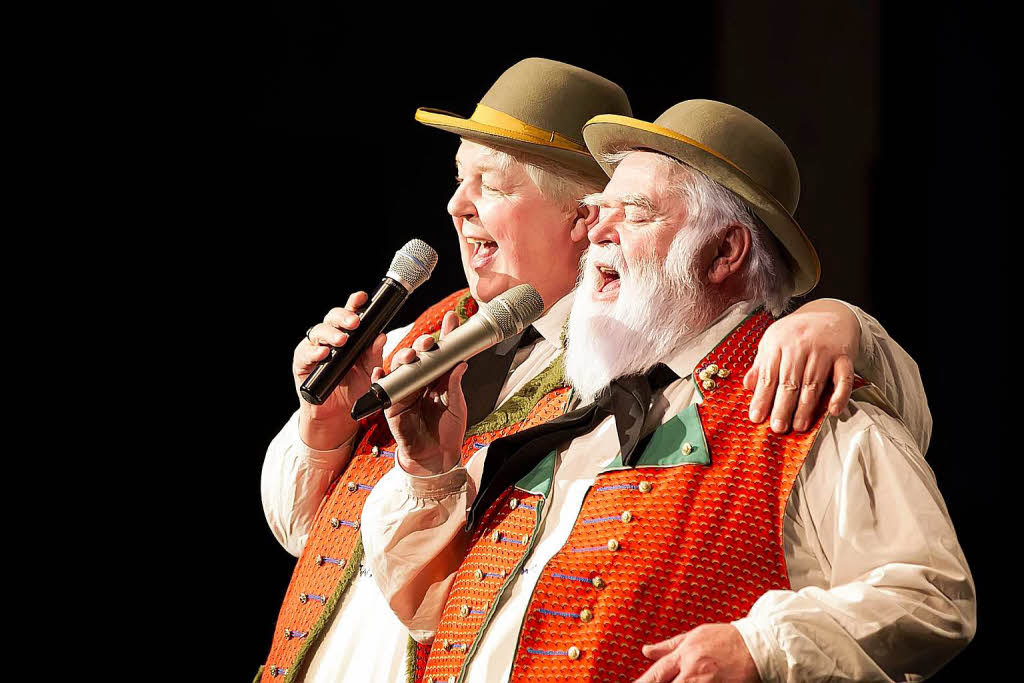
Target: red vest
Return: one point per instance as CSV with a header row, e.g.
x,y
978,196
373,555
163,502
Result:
x,y
691,535
333,550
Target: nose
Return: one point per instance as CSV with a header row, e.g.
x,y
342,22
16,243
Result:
x,y
604,231
460,206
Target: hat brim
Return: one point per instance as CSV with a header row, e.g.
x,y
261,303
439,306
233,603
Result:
x,y
611,133
580,161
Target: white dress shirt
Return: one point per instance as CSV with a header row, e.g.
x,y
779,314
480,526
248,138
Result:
x,y
880,587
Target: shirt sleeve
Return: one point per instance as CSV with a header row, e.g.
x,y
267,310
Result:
x,y
295,477
414,540
890,596
884,363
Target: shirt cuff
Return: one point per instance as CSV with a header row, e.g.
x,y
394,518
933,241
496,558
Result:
x,y
866,347
762,648
330,459
434,487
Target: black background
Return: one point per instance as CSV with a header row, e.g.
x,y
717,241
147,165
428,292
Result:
x,y
306,171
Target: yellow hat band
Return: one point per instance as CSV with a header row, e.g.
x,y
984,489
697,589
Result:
x,y
487,120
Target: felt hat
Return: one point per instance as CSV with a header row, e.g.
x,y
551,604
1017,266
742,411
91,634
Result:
x,y
539,106
734,149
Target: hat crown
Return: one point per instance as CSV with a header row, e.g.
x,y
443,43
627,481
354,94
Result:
x,y
743,140
555,96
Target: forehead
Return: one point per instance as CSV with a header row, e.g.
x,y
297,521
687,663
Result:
x,y
645,173
476,156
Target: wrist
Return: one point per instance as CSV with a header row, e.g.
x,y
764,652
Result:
x,y
324,434
425,465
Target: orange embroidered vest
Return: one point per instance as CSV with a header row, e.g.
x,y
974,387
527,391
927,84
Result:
x,y
333,550
691,535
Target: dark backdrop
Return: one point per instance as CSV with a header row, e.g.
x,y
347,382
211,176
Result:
x,y
311,172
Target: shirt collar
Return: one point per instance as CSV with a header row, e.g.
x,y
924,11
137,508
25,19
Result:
x,y
551,323
684,360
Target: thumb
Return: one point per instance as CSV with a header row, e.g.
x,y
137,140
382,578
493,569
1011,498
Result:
x,y
656,650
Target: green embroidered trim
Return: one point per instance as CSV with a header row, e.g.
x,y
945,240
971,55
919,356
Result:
x,y
460,307
538,480
665,448
518,406
258,674
410,660
325,615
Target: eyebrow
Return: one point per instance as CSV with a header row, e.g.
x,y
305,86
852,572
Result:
x,y
483,167
631,199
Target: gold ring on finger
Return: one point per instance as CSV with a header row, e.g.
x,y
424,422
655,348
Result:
x,y
310,339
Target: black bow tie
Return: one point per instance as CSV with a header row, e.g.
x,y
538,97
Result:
x,y
488,371
628,398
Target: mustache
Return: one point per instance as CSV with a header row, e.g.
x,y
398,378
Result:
x,y
606,254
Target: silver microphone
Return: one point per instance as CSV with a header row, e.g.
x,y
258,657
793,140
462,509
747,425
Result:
x,y
504,316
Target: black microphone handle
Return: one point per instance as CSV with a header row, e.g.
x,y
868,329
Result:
x,y
377,313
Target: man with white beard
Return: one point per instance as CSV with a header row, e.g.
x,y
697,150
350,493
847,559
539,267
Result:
x,y
654,534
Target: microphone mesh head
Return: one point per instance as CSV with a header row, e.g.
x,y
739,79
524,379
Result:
x,y
515,309
413,264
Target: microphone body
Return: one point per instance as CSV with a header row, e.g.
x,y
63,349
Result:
x,y
505,316
411,267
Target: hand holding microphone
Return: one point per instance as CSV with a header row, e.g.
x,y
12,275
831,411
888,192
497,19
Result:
x,y
422,397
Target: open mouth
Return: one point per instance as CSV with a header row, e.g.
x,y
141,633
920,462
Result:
x,y
608,279
483,251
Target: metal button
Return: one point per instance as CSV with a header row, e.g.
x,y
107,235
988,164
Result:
x,y
496,536
645,487
526,538
479,575
429,679
464,611
335,522
351,486
447,644
687,449
613,544
375,451
356,525
303,598
451,679
708,384
341,563
574,653
274,671
287,634
586,615
319,560
513,503
712,369
627,516
723,373
598,582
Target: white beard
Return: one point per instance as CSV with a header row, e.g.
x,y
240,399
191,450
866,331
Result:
x,y
659,307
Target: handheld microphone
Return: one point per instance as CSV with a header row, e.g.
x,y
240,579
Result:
x,y
410,268
504,316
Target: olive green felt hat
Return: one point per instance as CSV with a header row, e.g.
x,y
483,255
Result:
x,y
732,148
539,106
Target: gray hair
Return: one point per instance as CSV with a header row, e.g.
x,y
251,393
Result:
x,y
711,209
558,183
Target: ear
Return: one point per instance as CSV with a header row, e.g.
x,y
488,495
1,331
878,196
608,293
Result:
x,y
730,255
585,219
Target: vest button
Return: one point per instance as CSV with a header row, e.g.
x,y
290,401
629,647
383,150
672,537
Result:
x,y
723,373
712,369
586,615
335,522
613,544
375,451
319,560
513,503
451,679
496,536
686,448
303,598
429,679
356,525
351,486
574,653
708,384
447,644
645,487
526,538
598,582
479,575
627,516
464,611
287,634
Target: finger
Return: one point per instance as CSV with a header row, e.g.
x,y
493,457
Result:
x,y
342,318
810,393
791,372
449,323
374,355
656,650
761,402
323,333
842,377
453,396
750,379
662,671
402,357
376,374
356,300
424,342
306,356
